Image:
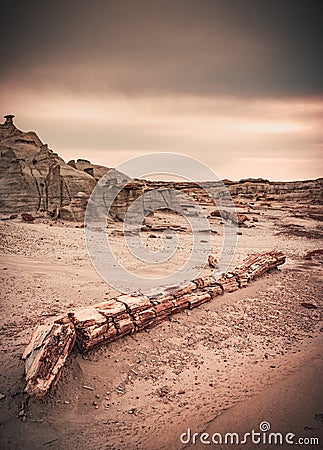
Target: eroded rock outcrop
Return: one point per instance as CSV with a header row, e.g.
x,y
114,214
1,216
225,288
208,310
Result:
x,y
96,171
34,178
75,210
306,191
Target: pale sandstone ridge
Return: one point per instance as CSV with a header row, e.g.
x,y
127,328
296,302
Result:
x,y
102,323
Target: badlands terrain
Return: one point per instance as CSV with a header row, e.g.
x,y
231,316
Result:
x,y
246,357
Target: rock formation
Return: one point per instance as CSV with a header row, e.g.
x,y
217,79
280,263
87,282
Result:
x,y
307,191
86,166
304,191
34,178
75,210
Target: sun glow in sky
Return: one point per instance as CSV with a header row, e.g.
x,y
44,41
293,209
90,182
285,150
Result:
x,y
238,86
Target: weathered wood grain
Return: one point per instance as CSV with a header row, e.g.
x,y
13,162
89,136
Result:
x,y
104,322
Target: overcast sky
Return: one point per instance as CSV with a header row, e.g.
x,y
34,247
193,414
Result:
x,y
236,84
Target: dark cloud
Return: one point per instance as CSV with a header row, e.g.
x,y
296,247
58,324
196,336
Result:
x,y
202,47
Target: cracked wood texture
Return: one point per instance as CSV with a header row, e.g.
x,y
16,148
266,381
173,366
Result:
x,y
104,322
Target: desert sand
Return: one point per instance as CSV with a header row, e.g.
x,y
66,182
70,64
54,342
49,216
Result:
x,y
246,357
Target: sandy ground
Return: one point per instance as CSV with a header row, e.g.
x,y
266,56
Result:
x,y
247,357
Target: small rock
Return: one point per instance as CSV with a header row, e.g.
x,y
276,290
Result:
x,y
212,262
310,304
89,388
27,217
2,396
315,254
242,218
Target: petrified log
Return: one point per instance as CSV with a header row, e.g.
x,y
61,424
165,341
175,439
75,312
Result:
x,y
181,289
212,262
27,217
197,298
46,354
228,282
87,317
256,265
214,291
113,310
87,341
125,326
205,282
163,307
102,323
180,303
134,303
145,318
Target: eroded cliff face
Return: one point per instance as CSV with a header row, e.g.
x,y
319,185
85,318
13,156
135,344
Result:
x,y
34,178
304,191
307,191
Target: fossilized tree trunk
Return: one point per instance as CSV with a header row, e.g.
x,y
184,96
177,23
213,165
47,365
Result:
x,y
102,323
